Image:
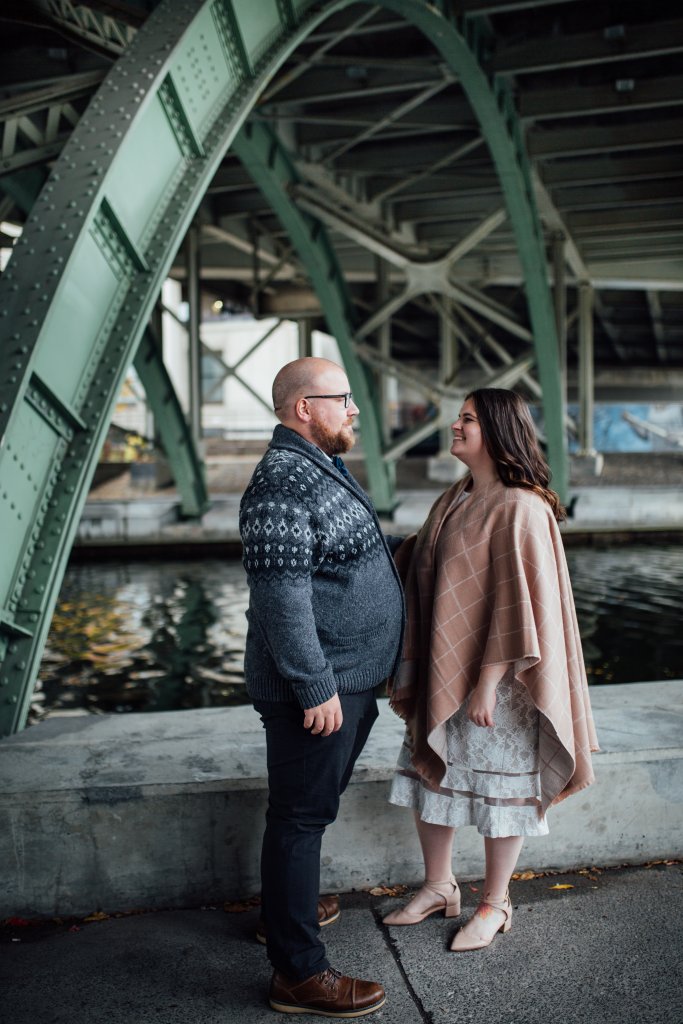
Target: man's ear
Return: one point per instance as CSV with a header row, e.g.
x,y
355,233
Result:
x,y
302,410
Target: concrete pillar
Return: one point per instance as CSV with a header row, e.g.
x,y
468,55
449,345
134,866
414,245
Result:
x,y
443,468
448,358
591,461
305,333
156,327
560,301
586,386
386,385
194,348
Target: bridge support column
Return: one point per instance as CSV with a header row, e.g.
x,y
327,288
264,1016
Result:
x,y
589,461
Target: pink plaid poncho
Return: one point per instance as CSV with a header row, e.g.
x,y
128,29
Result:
x,y
497,592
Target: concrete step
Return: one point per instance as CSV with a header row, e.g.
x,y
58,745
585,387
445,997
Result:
x,y
166,809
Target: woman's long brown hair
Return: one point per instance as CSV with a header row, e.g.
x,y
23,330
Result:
x,y
510,439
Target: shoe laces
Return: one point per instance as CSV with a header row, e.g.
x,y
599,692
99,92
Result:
x,y
329,977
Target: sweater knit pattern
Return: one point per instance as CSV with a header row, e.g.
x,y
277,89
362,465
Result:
x,y
326,609
312,521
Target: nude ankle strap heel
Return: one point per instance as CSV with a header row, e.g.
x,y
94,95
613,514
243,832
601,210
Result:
x,y
464,939
448,893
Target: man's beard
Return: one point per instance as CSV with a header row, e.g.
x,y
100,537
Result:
x,y
333,443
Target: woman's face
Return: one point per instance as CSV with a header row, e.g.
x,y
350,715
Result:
x,y
468,443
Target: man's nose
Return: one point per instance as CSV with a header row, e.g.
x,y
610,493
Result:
x,y
353,409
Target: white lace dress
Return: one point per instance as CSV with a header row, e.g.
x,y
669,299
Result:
x,y
492,779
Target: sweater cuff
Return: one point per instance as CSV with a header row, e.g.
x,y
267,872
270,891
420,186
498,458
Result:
x,y
311,695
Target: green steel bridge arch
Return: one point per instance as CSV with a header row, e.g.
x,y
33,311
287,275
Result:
x,y
77,296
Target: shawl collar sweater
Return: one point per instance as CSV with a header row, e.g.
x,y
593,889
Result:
x,y
326,610
487,584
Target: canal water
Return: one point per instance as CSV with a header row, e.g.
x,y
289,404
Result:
x,y
150,636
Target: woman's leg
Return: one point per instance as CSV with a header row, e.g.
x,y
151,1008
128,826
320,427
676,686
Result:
x,y
501,858
439,891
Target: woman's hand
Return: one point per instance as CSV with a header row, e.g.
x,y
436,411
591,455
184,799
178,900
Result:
x,y
483,697
482,705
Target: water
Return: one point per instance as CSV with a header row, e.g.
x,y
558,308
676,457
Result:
x,y
149,636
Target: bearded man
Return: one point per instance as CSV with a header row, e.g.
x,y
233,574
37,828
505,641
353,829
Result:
x,y
326,620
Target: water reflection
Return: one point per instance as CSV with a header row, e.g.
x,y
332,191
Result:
x,y
145,637
628,603
156,637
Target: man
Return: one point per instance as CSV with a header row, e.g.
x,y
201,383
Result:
x,y
326,623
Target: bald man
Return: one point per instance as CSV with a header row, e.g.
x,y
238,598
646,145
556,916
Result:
x,y
326,621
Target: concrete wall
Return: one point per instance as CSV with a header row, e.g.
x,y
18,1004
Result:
x,y
117,812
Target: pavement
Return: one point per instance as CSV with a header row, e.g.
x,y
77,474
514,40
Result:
x,y
604,948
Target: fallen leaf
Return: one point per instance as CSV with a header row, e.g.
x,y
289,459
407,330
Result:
x,y
242,906
99,915
525,876
389,890
74,928
473,888
17,922
564,885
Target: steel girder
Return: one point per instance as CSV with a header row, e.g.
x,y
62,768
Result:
x,y
181,452
272,170
170,424
82,282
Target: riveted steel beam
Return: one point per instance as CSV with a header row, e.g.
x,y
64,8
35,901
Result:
x,y
624,94
84,277
599,47
172,427
271,168
104,32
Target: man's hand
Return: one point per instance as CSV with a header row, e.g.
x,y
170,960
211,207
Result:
x,y
326,718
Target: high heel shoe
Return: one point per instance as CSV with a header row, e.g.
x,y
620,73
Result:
x,y
465,940
449,901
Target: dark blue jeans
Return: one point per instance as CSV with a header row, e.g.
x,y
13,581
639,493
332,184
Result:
x,y
306,777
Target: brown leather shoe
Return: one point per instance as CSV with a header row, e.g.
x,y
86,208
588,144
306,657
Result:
x,y
329,994
328,912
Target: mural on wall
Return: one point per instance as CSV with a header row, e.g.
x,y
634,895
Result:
x,y
653,427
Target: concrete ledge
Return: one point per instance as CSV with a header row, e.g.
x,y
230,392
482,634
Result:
x,y
166,809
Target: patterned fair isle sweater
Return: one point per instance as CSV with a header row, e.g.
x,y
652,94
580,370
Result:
x,y
326,611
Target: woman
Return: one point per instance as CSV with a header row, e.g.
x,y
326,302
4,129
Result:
x,y
492,685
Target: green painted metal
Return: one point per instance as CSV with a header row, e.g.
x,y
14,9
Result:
x,y
272,170
170,424
81,284
183,458
463,44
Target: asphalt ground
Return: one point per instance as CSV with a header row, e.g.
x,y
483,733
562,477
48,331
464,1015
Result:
x,y
605,947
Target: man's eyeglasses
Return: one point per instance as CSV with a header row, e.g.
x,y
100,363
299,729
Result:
x,y
348,396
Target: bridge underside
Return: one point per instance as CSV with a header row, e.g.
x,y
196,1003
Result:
x,y
463,194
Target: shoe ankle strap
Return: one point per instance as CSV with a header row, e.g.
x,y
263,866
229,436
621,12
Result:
x,y
503,905
431,884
